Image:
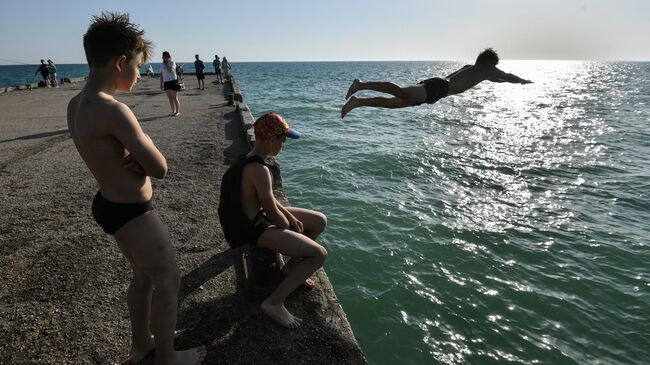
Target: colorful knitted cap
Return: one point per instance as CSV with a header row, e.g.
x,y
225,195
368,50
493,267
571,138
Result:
x,y
271,125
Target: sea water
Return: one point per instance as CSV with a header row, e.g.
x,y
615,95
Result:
x,y
508,224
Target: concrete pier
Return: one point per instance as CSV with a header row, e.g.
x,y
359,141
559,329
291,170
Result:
x,y
63,281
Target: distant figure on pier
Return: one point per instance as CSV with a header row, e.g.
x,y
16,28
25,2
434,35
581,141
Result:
x,y
150,72
431,90
51,71
122,158
217,69
225,65
169,83
200,76
44,73
250,214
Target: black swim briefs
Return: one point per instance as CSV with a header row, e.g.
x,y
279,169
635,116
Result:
x,y
259,224
113,216
436,89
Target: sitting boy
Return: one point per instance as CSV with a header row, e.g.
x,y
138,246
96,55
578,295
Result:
x,y
122,158
256,217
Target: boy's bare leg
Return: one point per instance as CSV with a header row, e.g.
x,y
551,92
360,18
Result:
x,y
295,245
377,102
313,222
145,241
416,92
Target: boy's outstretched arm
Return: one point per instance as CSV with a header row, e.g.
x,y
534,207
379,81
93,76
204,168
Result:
x,y
127,130
500,76
261,178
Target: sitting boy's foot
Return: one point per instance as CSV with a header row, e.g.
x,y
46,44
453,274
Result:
x,y
281,315
349,105
139,353
353,89
193,356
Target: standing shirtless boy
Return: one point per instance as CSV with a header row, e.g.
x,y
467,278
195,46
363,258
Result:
x,y
122,157
431,90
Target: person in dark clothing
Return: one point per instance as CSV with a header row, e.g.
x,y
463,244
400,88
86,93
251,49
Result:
x,y
200,76
44,72
256,217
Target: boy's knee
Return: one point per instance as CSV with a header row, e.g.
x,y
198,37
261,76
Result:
x,y
321,254
167,275
321,221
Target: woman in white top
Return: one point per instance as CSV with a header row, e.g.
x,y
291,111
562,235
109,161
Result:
x,y
169,83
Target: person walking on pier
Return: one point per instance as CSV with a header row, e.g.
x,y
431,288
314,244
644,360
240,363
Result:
x,y
225,65
169,83
431,90
200,76
122,158
217,69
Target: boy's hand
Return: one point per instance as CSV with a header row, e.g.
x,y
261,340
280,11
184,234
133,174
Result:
x,y
295,224
131,164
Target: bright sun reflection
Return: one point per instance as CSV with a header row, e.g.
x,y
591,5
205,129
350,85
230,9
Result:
x,y
508,139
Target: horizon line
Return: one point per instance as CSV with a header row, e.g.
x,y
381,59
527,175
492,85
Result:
x,y
16,63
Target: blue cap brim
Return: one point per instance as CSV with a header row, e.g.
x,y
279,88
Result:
x,y
293,134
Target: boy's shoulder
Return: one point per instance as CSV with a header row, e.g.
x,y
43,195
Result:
x,y
255,169
102,109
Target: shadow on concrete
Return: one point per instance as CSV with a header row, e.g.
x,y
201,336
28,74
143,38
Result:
x,y
37,136
149,119
235,331
212,268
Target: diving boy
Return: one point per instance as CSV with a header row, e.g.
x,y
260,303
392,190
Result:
x,y
122,158
250,213
431,90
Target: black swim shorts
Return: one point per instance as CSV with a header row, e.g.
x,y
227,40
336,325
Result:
x,y
171,85
259,224
113,216
436,89
200,76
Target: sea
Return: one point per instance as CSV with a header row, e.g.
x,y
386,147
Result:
x,y
506,225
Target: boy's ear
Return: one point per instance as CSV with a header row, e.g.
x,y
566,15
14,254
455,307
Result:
x,y
119,62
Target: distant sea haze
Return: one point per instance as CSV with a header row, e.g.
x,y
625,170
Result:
x,y
507,224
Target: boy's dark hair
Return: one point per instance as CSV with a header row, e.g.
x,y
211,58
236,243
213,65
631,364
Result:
x,y
111,35
488,57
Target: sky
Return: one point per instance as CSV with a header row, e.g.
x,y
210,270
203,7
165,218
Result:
x,y
340,30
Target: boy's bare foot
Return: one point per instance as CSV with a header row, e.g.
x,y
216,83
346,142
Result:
x,y
349,105
353,89
193,356
281,315
138,354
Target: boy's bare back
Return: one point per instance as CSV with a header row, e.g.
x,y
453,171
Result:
x,y
105,132
471,75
